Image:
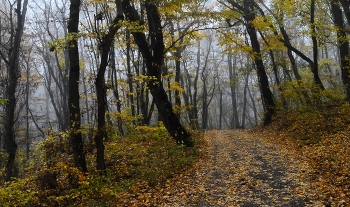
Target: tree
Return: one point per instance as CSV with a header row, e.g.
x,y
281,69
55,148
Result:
x,y
346,6
182,28
54,58
343,45
231,61
11,60
314,69
248,11
153,54
105,45
74,78
207,92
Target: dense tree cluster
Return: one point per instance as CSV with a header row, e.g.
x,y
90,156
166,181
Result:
x,y
89,70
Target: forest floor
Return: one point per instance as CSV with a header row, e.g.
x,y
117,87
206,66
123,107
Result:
x,y
275,166
239,169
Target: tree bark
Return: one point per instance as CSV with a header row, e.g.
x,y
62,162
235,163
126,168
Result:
x,y
267,96
73,99
248,10
177,79
245,100
232,74
343,45
130,75
13,72
187,95
153,54
346,6
101,89
194,110
115,86
314,69
220,109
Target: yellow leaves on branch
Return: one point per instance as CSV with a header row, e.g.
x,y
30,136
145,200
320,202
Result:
x,y
229,14
263,24
175,86
134,26
274,43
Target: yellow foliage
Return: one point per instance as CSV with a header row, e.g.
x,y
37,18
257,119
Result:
x,y
133,26
175,86
230,14
274,43
262,23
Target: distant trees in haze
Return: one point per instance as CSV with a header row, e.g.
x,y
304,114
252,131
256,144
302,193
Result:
x,y
97,69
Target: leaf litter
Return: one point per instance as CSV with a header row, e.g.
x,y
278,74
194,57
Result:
x,y
238,169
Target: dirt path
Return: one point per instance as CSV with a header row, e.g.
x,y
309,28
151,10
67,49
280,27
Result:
x,y
248,172
240,170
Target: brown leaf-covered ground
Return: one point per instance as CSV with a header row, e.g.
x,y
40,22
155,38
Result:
x,y
240,169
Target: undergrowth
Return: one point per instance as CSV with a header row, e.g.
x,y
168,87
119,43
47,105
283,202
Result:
x,y
320,136
146,157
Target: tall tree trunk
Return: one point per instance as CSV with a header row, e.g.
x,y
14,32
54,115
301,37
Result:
x,y
255,111
275,70
13,72
220,110
177,79
146,111
343,45
204,104
130,75
267,96
153,54
248,9
115,86
194,110
204,78
232,77
106,45
314,69
27,135
245,100
187,92
74,77
346,6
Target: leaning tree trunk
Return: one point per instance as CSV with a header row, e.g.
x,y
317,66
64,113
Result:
x,y
248,9
153,54
267,96
73,98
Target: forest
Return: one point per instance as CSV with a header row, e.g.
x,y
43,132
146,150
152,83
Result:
x,y
101,100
